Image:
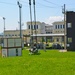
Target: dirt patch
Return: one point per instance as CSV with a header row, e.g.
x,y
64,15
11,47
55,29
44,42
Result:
x,y
63,50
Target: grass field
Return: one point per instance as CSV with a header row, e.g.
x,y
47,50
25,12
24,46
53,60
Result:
x,y
51,62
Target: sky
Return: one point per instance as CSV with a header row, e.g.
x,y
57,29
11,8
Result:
x,y
47,11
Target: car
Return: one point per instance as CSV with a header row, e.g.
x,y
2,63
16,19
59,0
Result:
x,y
56,46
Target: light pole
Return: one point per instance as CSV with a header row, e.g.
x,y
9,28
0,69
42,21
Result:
x,y
20,6
31,40
4,23
35,21
21,27
64,12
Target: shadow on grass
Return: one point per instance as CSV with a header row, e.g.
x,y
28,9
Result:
x,y
35,54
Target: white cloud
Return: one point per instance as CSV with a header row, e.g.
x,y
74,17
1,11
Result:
x,y
52,19
0,17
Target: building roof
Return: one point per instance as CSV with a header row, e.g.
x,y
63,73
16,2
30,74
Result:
x,y
57,22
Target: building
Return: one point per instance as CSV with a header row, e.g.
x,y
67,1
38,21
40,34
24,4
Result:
x,y
14,33
58,28
70,29
40,29
49,30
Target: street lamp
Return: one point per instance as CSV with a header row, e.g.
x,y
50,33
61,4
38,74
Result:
x,y
4,23
31,40
35,22
21,27
20,6
64,12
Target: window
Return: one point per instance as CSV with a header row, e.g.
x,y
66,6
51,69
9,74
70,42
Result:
x,y
57,39
47,32
37,26
12,34
69,40
55,26
31,26
58,26
63,26
34,26
69,25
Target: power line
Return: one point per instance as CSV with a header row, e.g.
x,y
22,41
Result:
x,y
7,3
46,5
51,2
24,2
11,4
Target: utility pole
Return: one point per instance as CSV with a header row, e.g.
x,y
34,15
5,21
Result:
x,y
4,23
31,35
35,22
64,12
20,6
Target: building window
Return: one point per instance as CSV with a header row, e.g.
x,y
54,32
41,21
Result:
x,y
63,26
29,27
57,39
55,26
69,25
69,40
58,26
37,26
34,26
47,32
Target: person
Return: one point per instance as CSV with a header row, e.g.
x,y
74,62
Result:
x,y
44,46
33,49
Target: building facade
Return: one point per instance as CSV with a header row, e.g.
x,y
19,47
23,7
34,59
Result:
x,y
49,30
70,29
58,28
40,29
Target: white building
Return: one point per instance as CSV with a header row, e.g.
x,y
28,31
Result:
x,y
49,29
58,28
40,27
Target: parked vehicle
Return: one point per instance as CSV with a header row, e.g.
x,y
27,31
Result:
x,y
57,46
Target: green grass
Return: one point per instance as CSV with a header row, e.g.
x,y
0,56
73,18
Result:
x,y
50,62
